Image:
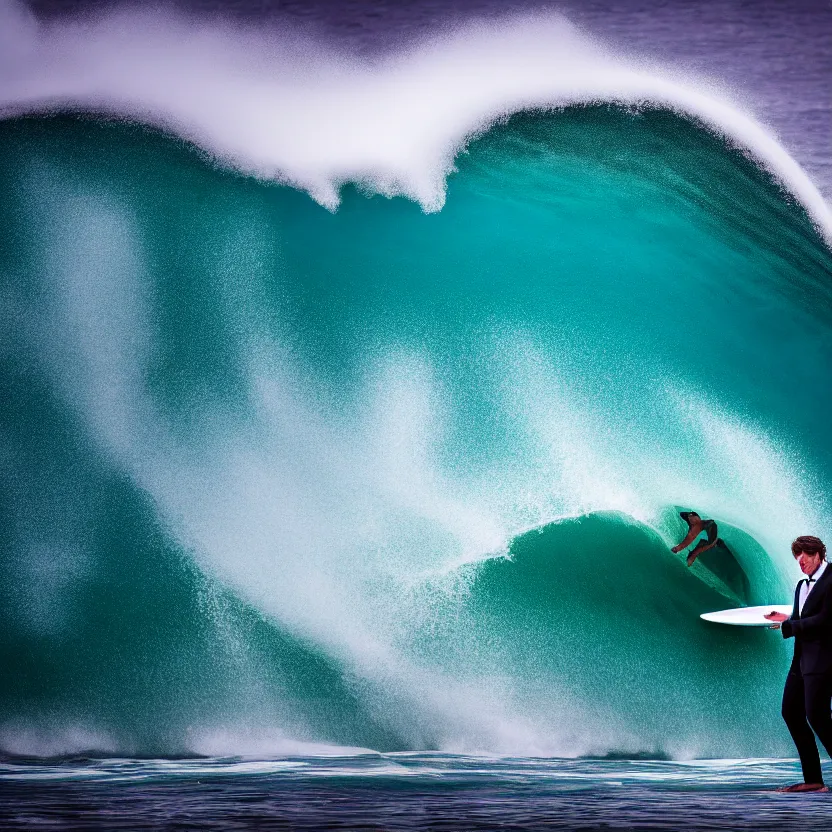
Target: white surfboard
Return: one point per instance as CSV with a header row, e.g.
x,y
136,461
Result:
x,y
746,616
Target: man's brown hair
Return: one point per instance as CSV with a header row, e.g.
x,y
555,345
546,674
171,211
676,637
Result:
x,y
810,545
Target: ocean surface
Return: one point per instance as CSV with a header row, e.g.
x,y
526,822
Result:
x,y
350,399
407,792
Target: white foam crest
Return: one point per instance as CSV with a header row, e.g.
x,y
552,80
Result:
x,y
280,106
53,739
262,743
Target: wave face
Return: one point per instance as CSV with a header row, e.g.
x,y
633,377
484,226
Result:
x,y
281,478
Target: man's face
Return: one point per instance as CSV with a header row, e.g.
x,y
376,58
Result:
x,y
808,563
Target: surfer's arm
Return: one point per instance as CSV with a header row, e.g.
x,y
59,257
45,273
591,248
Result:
x,y
689,538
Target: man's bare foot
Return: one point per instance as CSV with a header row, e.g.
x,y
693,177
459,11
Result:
x,y
804,787
691,559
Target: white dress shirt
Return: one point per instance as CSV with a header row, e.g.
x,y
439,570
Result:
x,y
806,587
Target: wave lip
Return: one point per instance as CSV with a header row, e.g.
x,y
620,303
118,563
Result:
x,y
278,106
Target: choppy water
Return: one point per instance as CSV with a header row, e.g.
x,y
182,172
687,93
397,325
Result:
x,y
406,792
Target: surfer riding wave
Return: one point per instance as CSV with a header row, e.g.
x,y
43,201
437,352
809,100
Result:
x,y
698,527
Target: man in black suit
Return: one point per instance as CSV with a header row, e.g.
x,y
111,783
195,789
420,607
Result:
x,y
807,697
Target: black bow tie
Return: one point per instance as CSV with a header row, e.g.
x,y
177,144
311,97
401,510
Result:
x,y
810,581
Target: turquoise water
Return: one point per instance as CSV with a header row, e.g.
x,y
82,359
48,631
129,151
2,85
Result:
x,y
279,478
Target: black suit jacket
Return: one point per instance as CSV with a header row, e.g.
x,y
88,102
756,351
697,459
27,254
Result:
x,y
812,630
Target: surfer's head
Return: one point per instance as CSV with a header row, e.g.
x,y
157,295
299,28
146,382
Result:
x,y
809,551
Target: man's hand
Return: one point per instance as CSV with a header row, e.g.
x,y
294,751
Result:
x,y
777,617
676,550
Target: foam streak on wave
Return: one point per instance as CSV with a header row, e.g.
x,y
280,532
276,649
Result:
x,y
281,106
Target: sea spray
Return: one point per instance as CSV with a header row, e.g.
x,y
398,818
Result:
x,y
276,471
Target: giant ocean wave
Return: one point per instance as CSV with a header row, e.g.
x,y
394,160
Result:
x,y
298,464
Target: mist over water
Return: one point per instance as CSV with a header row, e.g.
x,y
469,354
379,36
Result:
x,y
361,418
